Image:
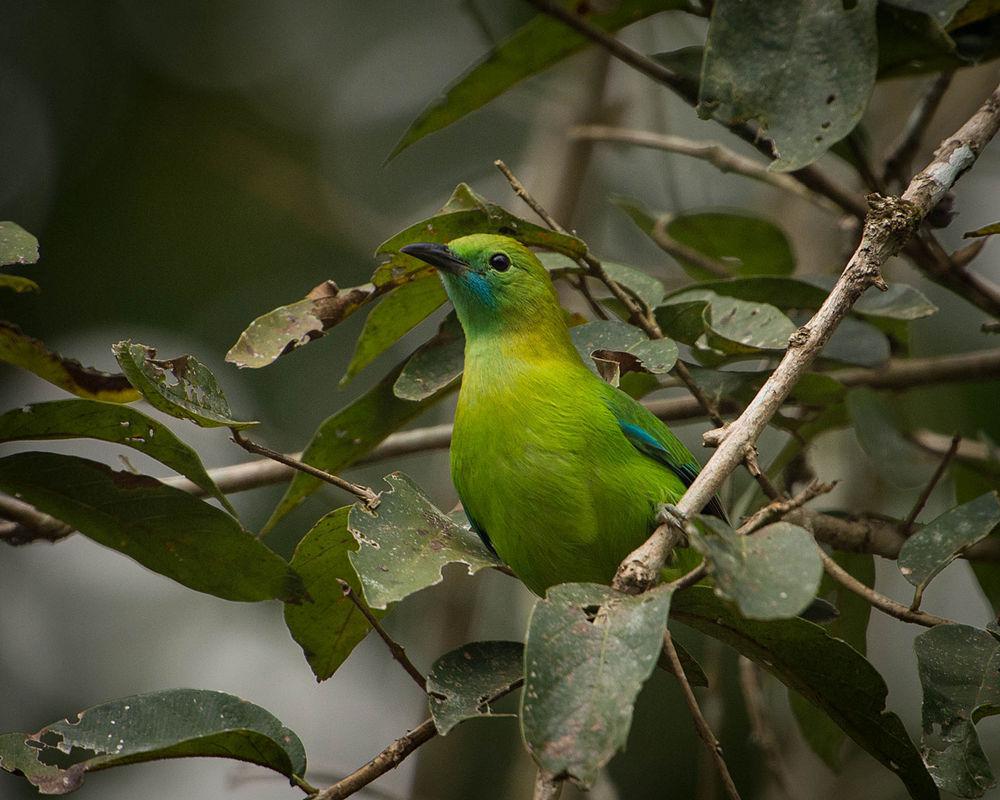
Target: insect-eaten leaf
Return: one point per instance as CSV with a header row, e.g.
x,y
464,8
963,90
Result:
x,y
331,626
588,652
165,529
23,351
17,246
611,348
959,667
773,573
435,365
175,723
109,422
405,542
463,682
826,671
807,82
182,387
532,48
935,546
349,434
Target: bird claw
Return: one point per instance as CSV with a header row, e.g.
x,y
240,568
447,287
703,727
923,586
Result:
x,y
669,514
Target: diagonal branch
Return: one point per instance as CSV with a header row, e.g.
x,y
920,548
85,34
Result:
x,y
891,221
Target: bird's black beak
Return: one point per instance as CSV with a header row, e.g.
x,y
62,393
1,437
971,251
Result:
x,y
437,255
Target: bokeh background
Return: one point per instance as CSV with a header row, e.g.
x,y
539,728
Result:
x,y
190,164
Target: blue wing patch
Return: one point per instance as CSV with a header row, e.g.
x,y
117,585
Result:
x,y
646,444
480,532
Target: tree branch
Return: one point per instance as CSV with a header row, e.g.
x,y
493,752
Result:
x,y
903,150
761,733
890,222
911,518
547,787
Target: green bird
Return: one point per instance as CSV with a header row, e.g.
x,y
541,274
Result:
x,y
561,474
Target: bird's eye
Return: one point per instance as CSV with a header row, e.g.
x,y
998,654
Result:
x,y
500,262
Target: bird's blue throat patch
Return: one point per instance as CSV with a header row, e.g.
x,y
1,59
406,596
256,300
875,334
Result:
x,y
481,288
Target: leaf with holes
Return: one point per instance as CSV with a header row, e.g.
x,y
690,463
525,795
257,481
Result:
x,y
588,652
28,353
959,667
108,422
330,627
166,530
405,542
625,346
462,683
737,327
826,671
771,574
807,82
936,545
182,387
175,723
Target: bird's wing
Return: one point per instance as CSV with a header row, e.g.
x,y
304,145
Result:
x,y
654,439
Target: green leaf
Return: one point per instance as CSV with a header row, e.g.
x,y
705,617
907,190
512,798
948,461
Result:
x,y
855,342
463,682
109,422
899,302
405,543
958,667
773,573
31,354
588,652
182,387
641,285
941,11
391,319
18,284
819,731
897,459
436,364
17,246
331,626
807,82
175,723
935,546
683,320
912,43
355,430
986,230
625,347
166,530
532,48
737,327
781,292
748,245
826,671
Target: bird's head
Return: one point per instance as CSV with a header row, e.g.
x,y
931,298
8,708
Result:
x,y
495,283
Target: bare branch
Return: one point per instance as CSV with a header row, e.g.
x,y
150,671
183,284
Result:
x,y
780,508
911,518
700,723
903,150
890,222
395,648
668,244
761,733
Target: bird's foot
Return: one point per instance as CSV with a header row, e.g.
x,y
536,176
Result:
x,y
669,514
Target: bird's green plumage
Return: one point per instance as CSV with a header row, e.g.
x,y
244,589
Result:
x,y
562,473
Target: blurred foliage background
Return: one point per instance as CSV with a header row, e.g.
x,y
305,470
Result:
x,y
189,165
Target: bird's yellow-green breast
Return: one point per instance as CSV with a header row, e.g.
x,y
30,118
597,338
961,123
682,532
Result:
x,y
560,473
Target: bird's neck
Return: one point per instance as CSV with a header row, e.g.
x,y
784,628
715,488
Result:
x,y
497,357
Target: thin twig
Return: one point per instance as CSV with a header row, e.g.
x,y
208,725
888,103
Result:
x,y
956,440
903,150
363,493
779,508
877,600
861,162
700,723
682,252
761,733
581,286
890,223
719,156
397,650
547,787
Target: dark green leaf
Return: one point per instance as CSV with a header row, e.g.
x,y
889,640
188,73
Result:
x,y
175,723
109,422
627,347
330,627
771,574
899,302
31,354
941,10
855,342
343,438
182,387
405,543
912,43
435,365
986,230
935,546
392,318
807,82
781,292
532,48
640,284
17,246
18,284
693,671
462,683
960,673
588,652
738,327
897,459
969,484
747,245
166,530
826,671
